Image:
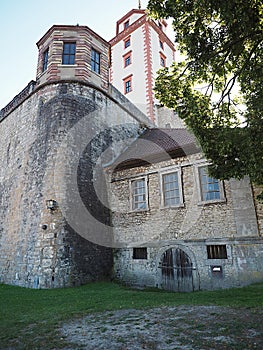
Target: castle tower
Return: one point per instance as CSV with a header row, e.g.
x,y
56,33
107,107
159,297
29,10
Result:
x,y
139,49
73,53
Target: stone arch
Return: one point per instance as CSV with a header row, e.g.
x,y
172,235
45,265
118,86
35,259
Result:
x,y
189,264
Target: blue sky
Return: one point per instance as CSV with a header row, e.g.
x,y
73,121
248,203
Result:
x,y
24,22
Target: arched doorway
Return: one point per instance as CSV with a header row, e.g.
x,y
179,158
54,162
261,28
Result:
x,y
177,271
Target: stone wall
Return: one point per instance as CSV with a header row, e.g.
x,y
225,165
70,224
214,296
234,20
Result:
x,y
41,140
191,227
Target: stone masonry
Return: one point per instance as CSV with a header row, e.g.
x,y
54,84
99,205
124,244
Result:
x,y
192,226
38,247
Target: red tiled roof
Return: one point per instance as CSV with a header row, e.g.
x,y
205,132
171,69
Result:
x,y
156,145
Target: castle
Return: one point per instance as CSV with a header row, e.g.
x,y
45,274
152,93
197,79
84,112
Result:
x,y
99,181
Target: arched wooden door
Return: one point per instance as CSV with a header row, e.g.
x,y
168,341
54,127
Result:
x,y
177,272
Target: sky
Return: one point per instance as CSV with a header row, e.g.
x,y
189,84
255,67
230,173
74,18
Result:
x,y
24,22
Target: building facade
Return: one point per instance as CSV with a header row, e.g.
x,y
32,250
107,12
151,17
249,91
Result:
x,y
180,229
91,189
52,135
139,49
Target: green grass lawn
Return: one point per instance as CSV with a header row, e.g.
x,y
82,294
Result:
x,y
28,318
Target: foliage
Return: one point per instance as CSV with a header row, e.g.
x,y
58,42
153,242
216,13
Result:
x,y
29,319
222,42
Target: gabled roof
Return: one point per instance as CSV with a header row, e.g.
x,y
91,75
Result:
x,y
156,145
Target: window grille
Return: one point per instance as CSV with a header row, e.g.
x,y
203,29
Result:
x,y
139,253
216,251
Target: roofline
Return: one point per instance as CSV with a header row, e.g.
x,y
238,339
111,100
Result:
x,y
138,23
131,12
68,27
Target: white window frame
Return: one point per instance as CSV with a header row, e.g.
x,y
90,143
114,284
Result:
x,y
177,170
199,187
145,179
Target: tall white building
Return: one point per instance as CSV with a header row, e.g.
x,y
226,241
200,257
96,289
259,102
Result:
x,y
139,49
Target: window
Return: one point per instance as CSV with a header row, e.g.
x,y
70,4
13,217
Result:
x,y
69,51
126,24
127,84
95,61
210,187
127,59
161,44
171,192
162,60
171,188
216,251
139,253
127,42
45,61
139,194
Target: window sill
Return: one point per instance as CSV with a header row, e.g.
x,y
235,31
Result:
x,y
214,201
97,74
139,210
178,206
67,65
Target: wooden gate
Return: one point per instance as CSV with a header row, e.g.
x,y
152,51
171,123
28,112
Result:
x,y
177,272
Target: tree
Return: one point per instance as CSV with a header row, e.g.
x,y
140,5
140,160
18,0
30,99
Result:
x,y
222,42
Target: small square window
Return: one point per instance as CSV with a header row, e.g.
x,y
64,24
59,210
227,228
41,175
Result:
x,y
95,61
126,24
69,52
216,251
139,253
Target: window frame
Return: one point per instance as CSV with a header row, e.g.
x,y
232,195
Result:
x,y
127,40
125,81
66,57
127,56
162,174
126,24
201,200
95,62
132,194
162,59
45,60
217,252
161,44
142,253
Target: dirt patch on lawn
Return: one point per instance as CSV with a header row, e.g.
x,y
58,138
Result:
x,y
168,328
